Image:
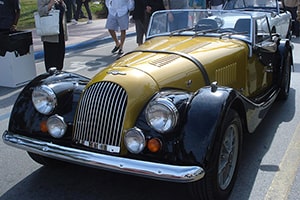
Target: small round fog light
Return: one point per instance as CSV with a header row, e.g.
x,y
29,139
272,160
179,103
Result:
x,y
135,140
56,126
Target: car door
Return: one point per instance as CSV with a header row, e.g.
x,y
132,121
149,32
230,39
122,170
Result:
x,y
263,60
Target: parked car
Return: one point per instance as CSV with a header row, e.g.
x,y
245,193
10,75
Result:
x,y
175,109
279,18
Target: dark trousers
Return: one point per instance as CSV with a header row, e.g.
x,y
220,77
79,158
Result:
x,y
87,8
54,53
71,9
295,23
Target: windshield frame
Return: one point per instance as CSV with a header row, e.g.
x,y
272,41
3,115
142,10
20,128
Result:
x,y
160,19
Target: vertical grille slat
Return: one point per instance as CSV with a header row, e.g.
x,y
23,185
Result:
x,y
100,117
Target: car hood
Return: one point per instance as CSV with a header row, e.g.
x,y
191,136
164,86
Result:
x,y
155,66
157,61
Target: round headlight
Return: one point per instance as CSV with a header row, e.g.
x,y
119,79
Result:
x,y
56,126
44,99
134,140
162,115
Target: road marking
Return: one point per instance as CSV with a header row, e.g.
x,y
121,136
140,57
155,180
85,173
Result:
x,y
284,178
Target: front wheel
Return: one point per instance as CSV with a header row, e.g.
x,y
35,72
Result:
x,y
221,170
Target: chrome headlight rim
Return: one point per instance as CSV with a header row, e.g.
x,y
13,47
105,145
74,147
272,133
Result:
x,y
135,140
56,126
173,114
44,99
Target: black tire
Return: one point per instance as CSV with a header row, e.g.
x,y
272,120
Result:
x,y
286,77
223,165
49,162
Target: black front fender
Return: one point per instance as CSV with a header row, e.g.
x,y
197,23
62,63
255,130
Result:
x,y
67,86
204,116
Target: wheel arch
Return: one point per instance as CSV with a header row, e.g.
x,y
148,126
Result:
x,y
228,104
205,115
284,47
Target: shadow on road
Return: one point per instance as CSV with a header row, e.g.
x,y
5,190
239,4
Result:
x,y
76,182
256,145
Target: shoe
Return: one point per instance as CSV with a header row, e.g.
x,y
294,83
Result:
x,y
115,49
120,52
74,22
89,21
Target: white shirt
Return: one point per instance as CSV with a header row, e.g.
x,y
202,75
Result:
x,y
119,7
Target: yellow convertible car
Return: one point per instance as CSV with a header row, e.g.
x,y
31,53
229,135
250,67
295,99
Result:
x,y
174,109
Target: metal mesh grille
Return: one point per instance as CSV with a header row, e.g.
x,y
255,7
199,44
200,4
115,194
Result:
x,y
100,116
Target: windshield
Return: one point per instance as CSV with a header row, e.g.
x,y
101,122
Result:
x,y
202,23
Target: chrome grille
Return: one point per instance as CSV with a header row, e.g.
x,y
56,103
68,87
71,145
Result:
x,y
100,116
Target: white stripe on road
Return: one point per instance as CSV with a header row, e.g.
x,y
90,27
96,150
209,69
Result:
x,y
284,178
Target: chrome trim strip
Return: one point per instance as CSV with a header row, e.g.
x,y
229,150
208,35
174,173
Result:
x,y
173,173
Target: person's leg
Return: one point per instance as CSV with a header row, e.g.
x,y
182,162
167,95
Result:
x,y
54,54
69,10
73,7
112,26
114,37
122,39
140,31
88,10
61,50
78,10
123,23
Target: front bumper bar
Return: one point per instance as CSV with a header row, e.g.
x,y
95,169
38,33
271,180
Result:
x,y
166,172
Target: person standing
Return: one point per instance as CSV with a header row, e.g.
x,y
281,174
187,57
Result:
x,y
87,8
291,6
118,19
54,45
9,15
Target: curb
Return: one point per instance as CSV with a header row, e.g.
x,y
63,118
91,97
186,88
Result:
x,y
82,45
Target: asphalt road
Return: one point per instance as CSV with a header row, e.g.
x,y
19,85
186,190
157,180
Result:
x,y
269,169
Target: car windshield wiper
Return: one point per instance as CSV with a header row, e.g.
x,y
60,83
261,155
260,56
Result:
x,y
205,31
180,31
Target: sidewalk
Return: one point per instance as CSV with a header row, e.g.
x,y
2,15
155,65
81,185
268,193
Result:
x,y
80,36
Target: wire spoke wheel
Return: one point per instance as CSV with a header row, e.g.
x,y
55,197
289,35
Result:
x,y
228,156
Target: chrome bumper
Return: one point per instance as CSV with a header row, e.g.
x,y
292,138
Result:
x,y
173,173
